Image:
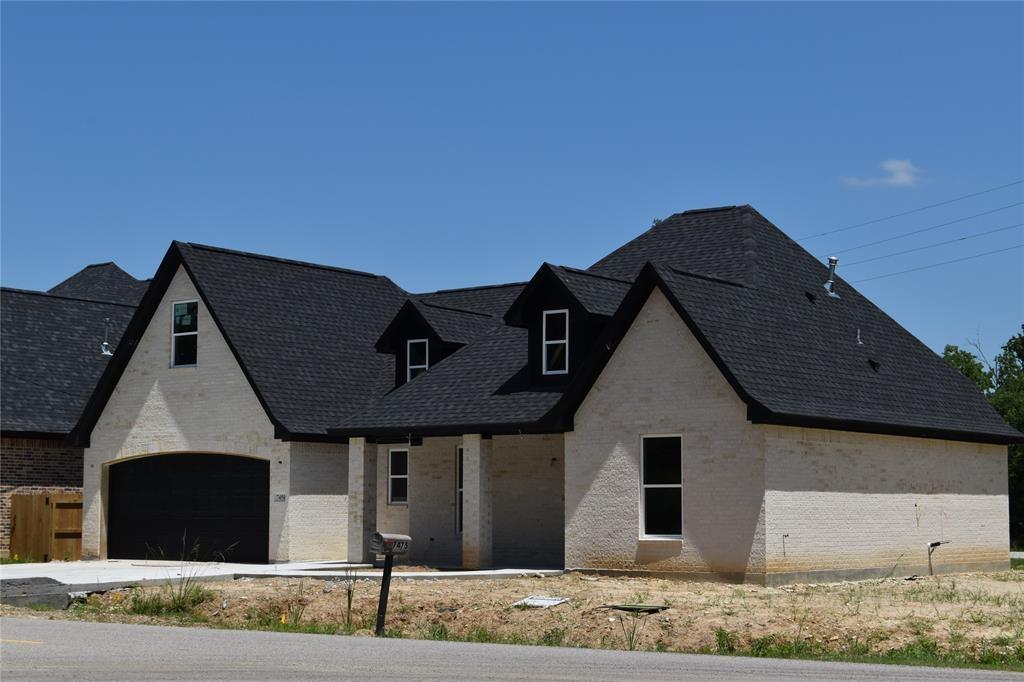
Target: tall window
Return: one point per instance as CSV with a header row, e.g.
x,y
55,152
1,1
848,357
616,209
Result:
x,y
398,477
661,486
458,489
556,342
417,358
184,334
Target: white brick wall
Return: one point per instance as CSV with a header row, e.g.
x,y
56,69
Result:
x,y
863,504
211,408
528,508
526,501
661,381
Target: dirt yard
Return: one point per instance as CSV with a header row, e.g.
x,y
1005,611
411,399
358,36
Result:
x,y
973,619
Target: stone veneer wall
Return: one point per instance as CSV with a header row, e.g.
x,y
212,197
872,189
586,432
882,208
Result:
x,y
32,465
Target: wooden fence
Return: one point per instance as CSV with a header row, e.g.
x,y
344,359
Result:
x,y
46,526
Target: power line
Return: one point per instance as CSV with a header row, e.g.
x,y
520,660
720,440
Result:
x,y
935,265
926,229
932,246
913,210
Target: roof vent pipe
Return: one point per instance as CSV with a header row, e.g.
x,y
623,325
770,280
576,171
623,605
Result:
x,y
105,346
830,285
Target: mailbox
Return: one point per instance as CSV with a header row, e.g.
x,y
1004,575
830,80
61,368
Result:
x,y
389,544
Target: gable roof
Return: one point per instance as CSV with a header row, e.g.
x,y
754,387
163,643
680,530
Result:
x,y
597,294
302,333
304,337
795,355
50,347
102,282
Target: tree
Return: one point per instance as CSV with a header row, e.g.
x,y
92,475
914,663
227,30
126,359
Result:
x,y
1002,382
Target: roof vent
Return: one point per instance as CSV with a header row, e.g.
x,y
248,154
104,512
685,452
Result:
x,y
105,346
830,285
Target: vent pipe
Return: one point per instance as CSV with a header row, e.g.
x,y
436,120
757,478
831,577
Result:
x,y
830,285
105,346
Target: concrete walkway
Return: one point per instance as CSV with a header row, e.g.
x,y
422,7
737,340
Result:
x,y
138,571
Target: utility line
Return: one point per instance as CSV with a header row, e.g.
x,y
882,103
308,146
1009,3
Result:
x,y
935,265
913,210
926,229
932,246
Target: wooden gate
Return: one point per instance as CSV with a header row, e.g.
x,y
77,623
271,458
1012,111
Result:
x,y
46,526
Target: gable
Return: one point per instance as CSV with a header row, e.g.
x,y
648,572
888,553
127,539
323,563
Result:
x,y
159,408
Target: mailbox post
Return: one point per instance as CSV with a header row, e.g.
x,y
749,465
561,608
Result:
x,y
390,545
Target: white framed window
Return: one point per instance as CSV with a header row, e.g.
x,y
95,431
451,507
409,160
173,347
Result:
x,y
458,489
555,348
398,476
184,333
661,486
417,358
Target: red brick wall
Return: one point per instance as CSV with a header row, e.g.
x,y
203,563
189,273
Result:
x,y
29,465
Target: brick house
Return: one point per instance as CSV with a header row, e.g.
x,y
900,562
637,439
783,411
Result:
x,y
697,403
51,359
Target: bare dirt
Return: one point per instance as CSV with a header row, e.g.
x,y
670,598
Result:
x,y
953,612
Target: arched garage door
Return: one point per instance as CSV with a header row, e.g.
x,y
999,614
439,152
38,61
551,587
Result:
x,y
164,506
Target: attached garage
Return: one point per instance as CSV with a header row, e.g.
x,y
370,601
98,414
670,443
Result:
x,y
170,506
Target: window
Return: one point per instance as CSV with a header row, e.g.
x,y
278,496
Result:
x,y
556,342
398,477
416,358
458,489
661,486
184,334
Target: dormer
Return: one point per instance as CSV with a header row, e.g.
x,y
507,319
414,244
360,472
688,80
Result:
x,y
564,310
423,334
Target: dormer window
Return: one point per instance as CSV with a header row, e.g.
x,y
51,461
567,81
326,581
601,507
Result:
x,y
184,334
555,351
417,358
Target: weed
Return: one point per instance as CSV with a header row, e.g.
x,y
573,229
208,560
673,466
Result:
x,y
552,637
726,641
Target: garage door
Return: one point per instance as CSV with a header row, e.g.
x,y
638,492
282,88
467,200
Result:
x,y
169,506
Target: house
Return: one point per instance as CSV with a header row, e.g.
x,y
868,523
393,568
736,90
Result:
x,y
697,403
51,358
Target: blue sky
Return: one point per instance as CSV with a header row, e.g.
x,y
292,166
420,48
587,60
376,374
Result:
x,y
451,145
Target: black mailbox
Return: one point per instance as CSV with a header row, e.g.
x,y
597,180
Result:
x,y
389,544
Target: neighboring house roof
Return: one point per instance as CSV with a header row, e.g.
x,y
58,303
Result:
x,y
102,282
304,336
50,350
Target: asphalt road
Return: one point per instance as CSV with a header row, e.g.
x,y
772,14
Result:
x,y
44,649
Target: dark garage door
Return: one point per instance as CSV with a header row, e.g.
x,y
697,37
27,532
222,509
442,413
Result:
x,y
170,506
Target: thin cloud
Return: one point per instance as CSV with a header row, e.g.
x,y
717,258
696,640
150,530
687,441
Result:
x,y
898,173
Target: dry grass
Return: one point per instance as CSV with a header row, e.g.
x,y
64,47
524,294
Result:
x,y
963,619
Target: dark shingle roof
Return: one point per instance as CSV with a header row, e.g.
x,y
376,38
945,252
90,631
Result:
x,y
792,355
480,384
304,333
597,293
51,357
493,300
454,325
102,282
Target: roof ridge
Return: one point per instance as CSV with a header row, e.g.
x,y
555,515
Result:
x,y
287,261
47,294
709,278
476,288
451,308
592,274
710,209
